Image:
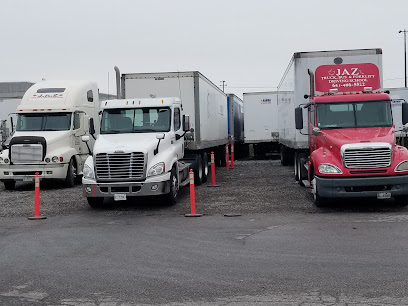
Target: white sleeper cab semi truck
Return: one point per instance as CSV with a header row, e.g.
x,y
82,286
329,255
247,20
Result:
x,y
261,127
150,140
51,118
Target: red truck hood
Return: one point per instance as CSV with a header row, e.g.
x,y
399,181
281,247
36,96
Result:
x,y
339,137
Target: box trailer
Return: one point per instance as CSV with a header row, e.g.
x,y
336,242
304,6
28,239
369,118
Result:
x,y
398,97
261,127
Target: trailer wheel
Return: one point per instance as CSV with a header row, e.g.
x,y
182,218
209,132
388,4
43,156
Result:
x,y
198,170
205,166
299,164
9,185
401,200
174,187
95,203
284,155
71,174
295,162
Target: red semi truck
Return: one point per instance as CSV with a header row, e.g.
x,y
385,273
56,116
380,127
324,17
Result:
x,y
351,145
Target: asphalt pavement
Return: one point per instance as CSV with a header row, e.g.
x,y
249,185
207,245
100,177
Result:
x,y
278,250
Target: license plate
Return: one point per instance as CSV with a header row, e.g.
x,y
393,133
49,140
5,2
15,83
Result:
x,y
119,197
28,179
383,195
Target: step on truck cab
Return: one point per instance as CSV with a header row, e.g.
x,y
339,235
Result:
x,y
351,135
51,119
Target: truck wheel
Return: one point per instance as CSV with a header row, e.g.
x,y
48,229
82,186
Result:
x,y
205,167
9,185
284,155
174,187
95,202
317,199
198,170
401,200
71,174
295,162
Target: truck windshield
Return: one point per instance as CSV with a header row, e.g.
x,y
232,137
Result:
x,y
354,114
44,122
136,120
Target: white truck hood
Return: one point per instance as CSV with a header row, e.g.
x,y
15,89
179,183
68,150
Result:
x,y
50,136
134,142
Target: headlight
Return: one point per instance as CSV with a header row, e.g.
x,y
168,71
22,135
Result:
x,y
54,159
329,169
402,166
6,160
156,169
47,160
88,172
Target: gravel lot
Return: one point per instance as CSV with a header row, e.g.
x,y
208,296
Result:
x,y
253,186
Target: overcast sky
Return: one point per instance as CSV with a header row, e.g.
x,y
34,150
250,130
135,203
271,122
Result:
x,y
246,43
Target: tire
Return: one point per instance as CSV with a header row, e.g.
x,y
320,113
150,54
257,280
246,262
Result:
x,y
95,203
205,166
284,155
71,174
172,197
401,200
9,185
198,170
295,162
317,199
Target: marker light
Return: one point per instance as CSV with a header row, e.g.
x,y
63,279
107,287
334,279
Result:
x,y
367,89
334,90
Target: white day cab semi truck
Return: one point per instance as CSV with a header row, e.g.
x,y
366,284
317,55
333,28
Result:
x,y
347,147
52,117
261,122
151,138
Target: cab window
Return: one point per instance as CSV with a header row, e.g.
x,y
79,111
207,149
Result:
x,y
177,122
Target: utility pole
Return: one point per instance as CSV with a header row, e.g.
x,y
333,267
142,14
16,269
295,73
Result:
x,y
223,85
405,54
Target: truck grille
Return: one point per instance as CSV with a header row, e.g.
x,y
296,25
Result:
x,y
26,153
367,157
120,166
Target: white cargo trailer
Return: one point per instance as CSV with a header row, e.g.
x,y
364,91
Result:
x,y
261,121
295,84
398,96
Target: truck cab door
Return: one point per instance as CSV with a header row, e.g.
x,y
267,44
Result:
x,y
79,128
176,139
312,124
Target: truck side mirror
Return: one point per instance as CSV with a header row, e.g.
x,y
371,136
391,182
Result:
x,y
299,118
404,113
85,138
186,123
91,126
89,96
